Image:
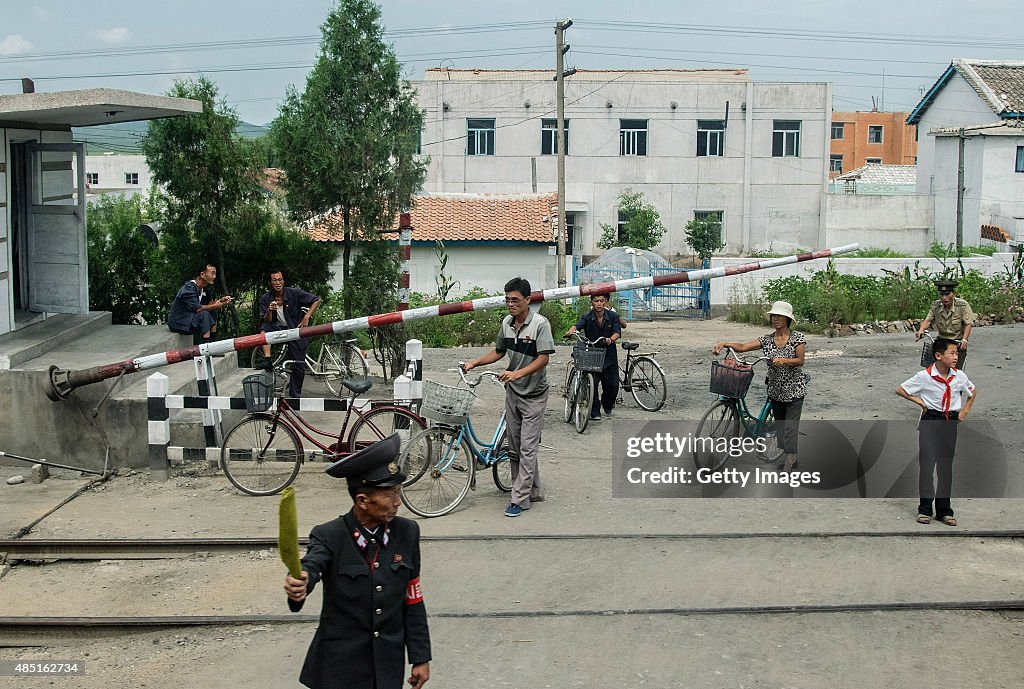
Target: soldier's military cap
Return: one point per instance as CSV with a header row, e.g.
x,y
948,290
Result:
x,y
946,285
375,466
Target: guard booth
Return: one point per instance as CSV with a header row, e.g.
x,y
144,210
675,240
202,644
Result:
x,y
43,258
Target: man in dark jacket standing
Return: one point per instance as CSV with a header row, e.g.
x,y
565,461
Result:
x,y
369,563
603,326
285,308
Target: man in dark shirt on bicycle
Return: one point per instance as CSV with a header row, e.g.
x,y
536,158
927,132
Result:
x,y
284,308
602,325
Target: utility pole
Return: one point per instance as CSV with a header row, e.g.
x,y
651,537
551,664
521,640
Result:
x,y
960,193
560,74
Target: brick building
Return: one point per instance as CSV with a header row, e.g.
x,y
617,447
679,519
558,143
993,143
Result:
x,y
860,138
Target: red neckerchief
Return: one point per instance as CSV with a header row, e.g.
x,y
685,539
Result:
x,y
948,394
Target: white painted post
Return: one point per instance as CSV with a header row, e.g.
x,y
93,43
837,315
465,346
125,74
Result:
x,y
159,426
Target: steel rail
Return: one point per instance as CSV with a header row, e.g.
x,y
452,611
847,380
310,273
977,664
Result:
x,y
79,622
60,383
161,548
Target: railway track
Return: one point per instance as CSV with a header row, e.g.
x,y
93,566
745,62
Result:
x,y
160,548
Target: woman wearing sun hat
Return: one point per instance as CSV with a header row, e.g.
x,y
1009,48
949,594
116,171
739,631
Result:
x,y
787,383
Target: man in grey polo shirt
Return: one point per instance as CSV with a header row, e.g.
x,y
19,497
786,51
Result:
x,y
526,337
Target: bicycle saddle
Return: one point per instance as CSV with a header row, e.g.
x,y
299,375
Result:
x,y
358,386
630,345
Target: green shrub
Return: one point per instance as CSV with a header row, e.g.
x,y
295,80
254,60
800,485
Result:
x,y
949,251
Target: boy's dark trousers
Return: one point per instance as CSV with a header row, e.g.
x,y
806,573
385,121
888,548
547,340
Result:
x,y
936,446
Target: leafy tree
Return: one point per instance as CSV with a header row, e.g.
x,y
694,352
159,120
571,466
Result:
x,y
643,228
123,262
347,142
210,177
704,235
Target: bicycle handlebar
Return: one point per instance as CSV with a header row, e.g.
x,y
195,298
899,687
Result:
x,y
473,383
732,352
580,337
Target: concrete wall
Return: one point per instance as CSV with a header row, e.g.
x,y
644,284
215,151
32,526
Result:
x,y
723,288
487,266
957,105
21,397
900,223
764,199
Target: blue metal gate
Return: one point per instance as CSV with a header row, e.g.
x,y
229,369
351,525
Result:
x,y
688,300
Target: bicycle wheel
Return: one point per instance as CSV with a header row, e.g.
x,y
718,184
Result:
x,y
769,430
348,358
716,429
329,367
581,410
378,424
570,394
448,471
501,470
261,455
277,352
647,383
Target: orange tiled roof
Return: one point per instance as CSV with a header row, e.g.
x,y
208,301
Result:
x,y
475,218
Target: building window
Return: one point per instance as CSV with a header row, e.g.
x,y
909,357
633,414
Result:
x,y
92,178
1019,167
837,130
480,141
131,178
785,138
632,137
549,137
872,161
620,226
713,216
710,138
835,163
875,134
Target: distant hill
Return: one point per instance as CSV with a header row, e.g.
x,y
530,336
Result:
x,y
125,137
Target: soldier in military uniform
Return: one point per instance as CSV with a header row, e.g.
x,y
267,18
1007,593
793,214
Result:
x,y
369,563
952,316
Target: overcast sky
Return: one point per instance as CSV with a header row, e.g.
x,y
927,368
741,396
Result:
x,y
254,49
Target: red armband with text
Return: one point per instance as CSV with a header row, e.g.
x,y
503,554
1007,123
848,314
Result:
x,y
413,592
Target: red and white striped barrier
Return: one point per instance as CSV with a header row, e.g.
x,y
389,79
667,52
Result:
x,y
63,382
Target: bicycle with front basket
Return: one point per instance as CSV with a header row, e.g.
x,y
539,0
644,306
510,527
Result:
x,y
440,463
262,453
729,417
640,374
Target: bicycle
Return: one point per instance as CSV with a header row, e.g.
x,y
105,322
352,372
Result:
x,y
724,418
579,385
440,463
262,453
641,375
336,361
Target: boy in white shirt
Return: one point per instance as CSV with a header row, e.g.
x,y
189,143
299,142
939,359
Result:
x,y
939,390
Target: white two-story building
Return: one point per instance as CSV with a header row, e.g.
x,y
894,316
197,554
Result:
x,y
697,143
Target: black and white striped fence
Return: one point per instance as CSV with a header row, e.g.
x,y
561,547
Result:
x,y
408,389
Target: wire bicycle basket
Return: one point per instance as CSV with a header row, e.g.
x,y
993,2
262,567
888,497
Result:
x,y
731,379
927,357
587,357
259,391
445,403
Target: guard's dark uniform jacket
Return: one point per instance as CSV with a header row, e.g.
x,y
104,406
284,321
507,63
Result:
x,y
373,610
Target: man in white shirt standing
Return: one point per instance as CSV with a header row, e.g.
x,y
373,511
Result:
x,y
939,390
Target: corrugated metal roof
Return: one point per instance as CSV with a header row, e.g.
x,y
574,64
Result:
x,y
473,218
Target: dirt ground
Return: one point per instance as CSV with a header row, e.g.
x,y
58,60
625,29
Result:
x,y
749,552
